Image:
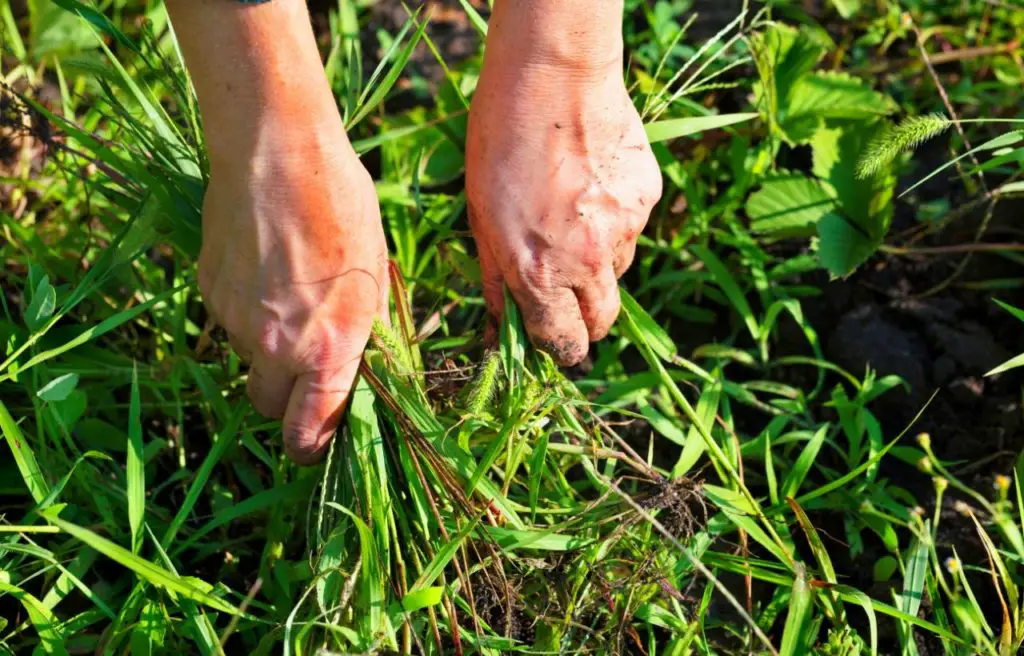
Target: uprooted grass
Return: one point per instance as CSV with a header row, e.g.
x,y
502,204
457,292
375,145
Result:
x,y
529,535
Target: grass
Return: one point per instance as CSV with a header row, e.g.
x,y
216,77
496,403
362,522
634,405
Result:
x,y
711,484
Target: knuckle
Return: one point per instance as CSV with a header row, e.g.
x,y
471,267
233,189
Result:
x,y
651,191
269,337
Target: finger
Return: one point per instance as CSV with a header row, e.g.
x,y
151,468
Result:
x,y
599,304
314,411
236,345
623,256
269,387
491,279
553,320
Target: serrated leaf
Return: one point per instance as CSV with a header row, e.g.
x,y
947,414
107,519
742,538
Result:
x,y
831,95
836,150
841,246
783,54
788,204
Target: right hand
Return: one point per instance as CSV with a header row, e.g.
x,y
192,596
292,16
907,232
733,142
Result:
x,y
294,267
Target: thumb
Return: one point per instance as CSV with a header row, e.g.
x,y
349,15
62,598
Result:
x,y
315,409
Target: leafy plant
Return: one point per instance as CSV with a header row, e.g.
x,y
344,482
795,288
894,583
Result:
x,y
837,116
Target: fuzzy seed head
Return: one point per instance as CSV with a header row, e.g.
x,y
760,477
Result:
x,y
481,389
887,146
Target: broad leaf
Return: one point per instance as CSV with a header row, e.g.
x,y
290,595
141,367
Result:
x,y
788,204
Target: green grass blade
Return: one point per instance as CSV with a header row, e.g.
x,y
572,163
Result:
x,y
224,440
298,490
865,602
45,623
655,335
136,466
381,89
155,575
1002,141
23,456
682,127
475,19
795,478
795,638
726,282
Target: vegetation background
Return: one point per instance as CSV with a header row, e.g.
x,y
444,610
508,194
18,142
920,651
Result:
x,y
802,436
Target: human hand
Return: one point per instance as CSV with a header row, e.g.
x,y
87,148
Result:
x,y
294,267
560,182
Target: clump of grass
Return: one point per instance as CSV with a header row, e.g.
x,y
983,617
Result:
x,y
908,135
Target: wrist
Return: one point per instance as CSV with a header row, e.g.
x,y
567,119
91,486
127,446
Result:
x,y
578,37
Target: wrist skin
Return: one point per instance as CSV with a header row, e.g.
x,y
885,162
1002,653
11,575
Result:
x,y
260,83
581,37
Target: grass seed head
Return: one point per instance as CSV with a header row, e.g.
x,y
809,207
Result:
x,y
481,388
887,146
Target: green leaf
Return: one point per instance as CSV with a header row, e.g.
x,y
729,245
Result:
x,y
1002,141
478,22
740,513
866,200
788,203
869,605
802,466
136,466
56,31
443,556
44,302
707,410
682,127
148,635
847,8
830,95
653,334
783,55
381,87
841,246
290,492
23,456
59,388
796,637
154,574
423,598
725,281
42,619
371,577
225,438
